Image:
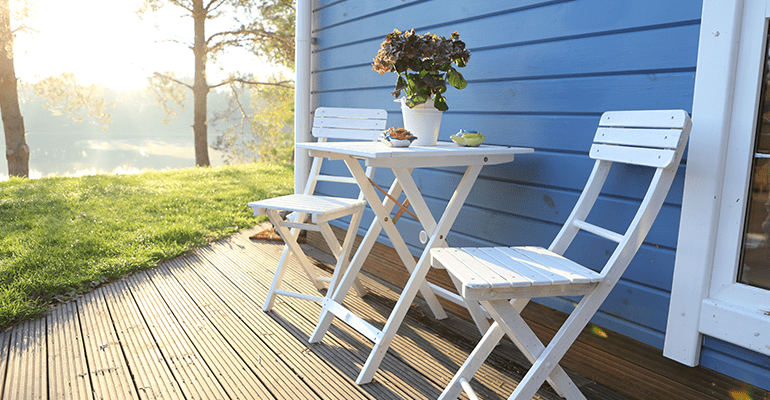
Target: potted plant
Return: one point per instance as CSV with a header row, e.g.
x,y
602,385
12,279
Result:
x,y
424,65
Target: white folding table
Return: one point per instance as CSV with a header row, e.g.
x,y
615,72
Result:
x,y
402,161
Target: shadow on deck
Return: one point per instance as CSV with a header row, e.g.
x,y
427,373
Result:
x,y
193,328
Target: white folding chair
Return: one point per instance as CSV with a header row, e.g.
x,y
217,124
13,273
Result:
x,y
335,123
504,279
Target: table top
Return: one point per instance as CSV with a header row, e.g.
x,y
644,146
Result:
x,y
379,154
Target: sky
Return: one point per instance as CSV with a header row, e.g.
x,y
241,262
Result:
x,y
105,42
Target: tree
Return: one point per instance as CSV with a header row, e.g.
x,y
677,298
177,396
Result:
x,y
255,25
62,93
259,131
16,149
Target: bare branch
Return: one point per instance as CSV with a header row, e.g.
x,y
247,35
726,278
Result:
x,y
172,79
284,84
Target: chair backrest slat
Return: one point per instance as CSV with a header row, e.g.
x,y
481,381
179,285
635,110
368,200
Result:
x,y
350,134
649,138
343,124
633,155
661,138
648,118
349,123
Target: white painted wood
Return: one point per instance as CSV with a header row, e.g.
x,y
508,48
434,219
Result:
x,y
442,155
402,162
341,123
310,204
633,155
355,322
733,306
598,231
662,138
504,279
340,133
357,113
646,118
716,183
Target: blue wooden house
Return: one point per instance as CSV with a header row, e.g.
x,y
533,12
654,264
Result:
x,y
541,73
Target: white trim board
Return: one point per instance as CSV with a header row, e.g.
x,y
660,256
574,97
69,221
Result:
x,y
705,297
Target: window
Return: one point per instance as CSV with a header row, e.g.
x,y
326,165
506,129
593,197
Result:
x,y
754,265
713,292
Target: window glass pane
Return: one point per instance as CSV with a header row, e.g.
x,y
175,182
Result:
x,y
755,261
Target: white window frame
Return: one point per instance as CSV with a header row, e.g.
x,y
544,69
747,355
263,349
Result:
x,y
706,298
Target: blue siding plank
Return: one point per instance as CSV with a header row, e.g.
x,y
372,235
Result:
x,y
637,51
737,362
570,20
379,21
342,12
587,95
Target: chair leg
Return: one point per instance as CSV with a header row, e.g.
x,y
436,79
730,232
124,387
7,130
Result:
x,y
507,315
342,253
289,237
474,308
475,360
277,279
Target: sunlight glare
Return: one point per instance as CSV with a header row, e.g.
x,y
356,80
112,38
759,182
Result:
x,y
105,42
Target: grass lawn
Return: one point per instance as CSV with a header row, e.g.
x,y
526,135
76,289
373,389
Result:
x,y
64,236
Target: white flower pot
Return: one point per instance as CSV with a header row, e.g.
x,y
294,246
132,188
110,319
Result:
x,y
422,121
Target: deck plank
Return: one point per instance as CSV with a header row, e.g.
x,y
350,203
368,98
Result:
x,y
151,373
324,379
194,377
254,283
109,373
343,347
231,371
193,328
5,349
27,362
418,352
68,370
279,379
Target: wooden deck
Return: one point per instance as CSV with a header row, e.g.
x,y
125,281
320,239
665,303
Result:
x,y
193,328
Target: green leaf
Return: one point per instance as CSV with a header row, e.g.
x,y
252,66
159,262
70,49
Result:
x,y
400,84
456,79
440,103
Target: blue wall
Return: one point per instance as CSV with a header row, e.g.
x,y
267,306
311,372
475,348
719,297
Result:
x,y
540,75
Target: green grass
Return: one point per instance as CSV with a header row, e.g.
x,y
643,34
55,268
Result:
x,y
63,236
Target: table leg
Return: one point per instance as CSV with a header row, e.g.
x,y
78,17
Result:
x,y
339,294
417,278
382,214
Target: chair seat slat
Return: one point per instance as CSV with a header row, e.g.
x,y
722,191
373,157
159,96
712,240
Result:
x,y
522,266
559,265
310,204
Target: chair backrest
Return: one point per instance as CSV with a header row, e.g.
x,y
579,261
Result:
x,y
343,124
654,139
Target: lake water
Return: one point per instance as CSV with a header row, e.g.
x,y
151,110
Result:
x,y
68,154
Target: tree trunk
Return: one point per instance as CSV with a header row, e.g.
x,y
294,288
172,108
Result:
x,y
200,87
16,149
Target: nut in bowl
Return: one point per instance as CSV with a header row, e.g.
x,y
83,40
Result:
x,y
468,138
397,137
